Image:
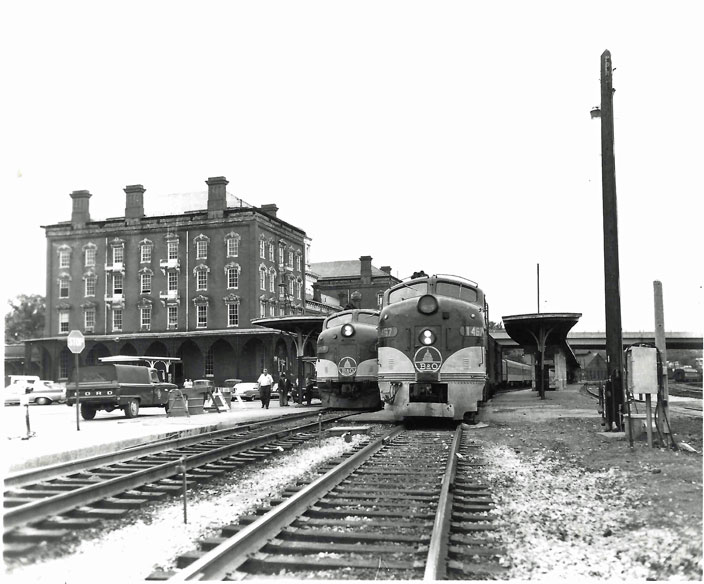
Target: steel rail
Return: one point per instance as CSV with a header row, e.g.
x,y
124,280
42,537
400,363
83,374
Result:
x,y
28,477
63,502
436,562
216,563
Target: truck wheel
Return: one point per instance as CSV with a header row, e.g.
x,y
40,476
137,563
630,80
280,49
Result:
x,y
42,401
87,412
132,409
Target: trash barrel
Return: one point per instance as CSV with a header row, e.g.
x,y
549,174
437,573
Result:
x,y
195,405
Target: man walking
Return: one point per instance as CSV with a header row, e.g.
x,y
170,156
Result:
x,y
265,382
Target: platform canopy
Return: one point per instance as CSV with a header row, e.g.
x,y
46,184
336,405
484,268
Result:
x,y
533,330
305,325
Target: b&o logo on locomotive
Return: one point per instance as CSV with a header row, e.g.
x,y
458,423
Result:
x,y
347,366
427,359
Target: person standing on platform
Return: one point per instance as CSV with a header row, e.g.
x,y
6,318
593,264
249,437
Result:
x,y
309,390
283,390
265,382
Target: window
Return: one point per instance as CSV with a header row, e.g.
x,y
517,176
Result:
x,y
202,315
146,283
89,256
202,279
273,310
232,277
173,281
117,280
90,285
272,280
298,262
89,319
282,253
145,255
118,254
233,314
262,278
290,258
173,317
299,285
65,360
64,258
202,249
262,248
63,321
379,298
173,249
145,318
209,363
290,287
117,319
63,288
271,252
233,246
262,309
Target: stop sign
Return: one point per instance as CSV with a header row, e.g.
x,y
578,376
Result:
x,y
76,341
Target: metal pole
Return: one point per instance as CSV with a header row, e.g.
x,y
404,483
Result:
x,y
78,424
182,470
661,347
614,340
320,428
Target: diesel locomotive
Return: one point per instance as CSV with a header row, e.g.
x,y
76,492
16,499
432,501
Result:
x,y
436,357
346,367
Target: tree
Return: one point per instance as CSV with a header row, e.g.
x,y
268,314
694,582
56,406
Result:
x,y
26,319
496,325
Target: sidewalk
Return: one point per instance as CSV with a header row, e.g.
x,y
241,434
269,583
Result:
x,y
56,438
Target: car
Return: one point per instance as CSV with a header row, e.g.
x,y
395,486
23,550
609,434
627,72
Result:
x,y
249,390
41,392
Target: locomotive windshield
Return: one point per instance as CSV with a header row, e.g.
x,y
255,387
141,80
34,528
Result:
x,y
366,318
454,290
408,291
339,320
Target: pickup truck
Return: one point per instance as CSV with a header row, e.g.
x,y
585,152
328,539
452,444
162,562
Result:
x,y
111,386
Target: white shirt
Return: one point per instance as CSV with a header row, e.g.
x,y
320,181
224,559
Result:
x,y
265,379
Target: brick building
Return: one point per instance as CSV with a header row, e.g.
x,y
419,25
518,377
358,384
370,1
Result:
x,y
353,282
183,281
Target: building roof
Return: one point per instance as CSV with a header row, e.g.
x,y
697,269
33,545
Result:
x,y
342,269
179,203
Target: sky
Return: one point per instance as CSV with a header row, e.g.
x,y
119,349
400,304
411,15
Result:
x,y
452,137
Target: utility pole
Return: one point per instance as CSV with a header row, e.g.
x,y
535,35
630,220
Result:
x,y
614,338
660,344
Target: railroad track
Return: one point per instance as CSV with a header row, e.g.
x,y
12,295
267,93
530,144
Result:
x,y
46,504
409,505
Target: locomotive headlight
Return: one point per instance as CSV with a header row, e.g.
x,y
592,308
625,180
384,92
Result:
x,y
427,304
347,330
426,337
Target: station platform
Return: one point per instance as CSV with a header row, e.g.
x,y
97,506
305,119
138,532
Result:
x,y
55,436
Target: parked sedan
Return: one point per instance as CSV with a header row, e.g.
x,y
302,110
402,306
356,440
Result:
x,y
41,392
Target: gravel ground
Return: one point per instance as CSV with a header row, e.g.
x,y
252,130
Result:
x,y
129,550
571,503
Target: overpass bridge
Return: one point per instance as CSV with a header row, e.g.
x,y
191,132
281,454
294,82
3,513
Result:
x,y
597,340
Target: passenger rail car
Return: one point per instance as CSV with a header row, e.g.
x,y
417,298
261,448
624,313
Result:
x,y
436,358
346,368
515,374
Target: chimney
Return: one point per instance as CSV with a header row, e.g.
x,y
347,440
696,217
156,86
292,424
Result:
x,y
366,269
217,197
270,209
80,214
386,270
134,203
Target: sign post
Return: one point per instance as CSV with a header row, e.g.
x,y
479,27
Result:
x,y
76,343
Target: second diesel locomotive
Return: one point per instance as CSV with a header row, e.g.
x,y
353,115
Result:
x,y
436,358
346,368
